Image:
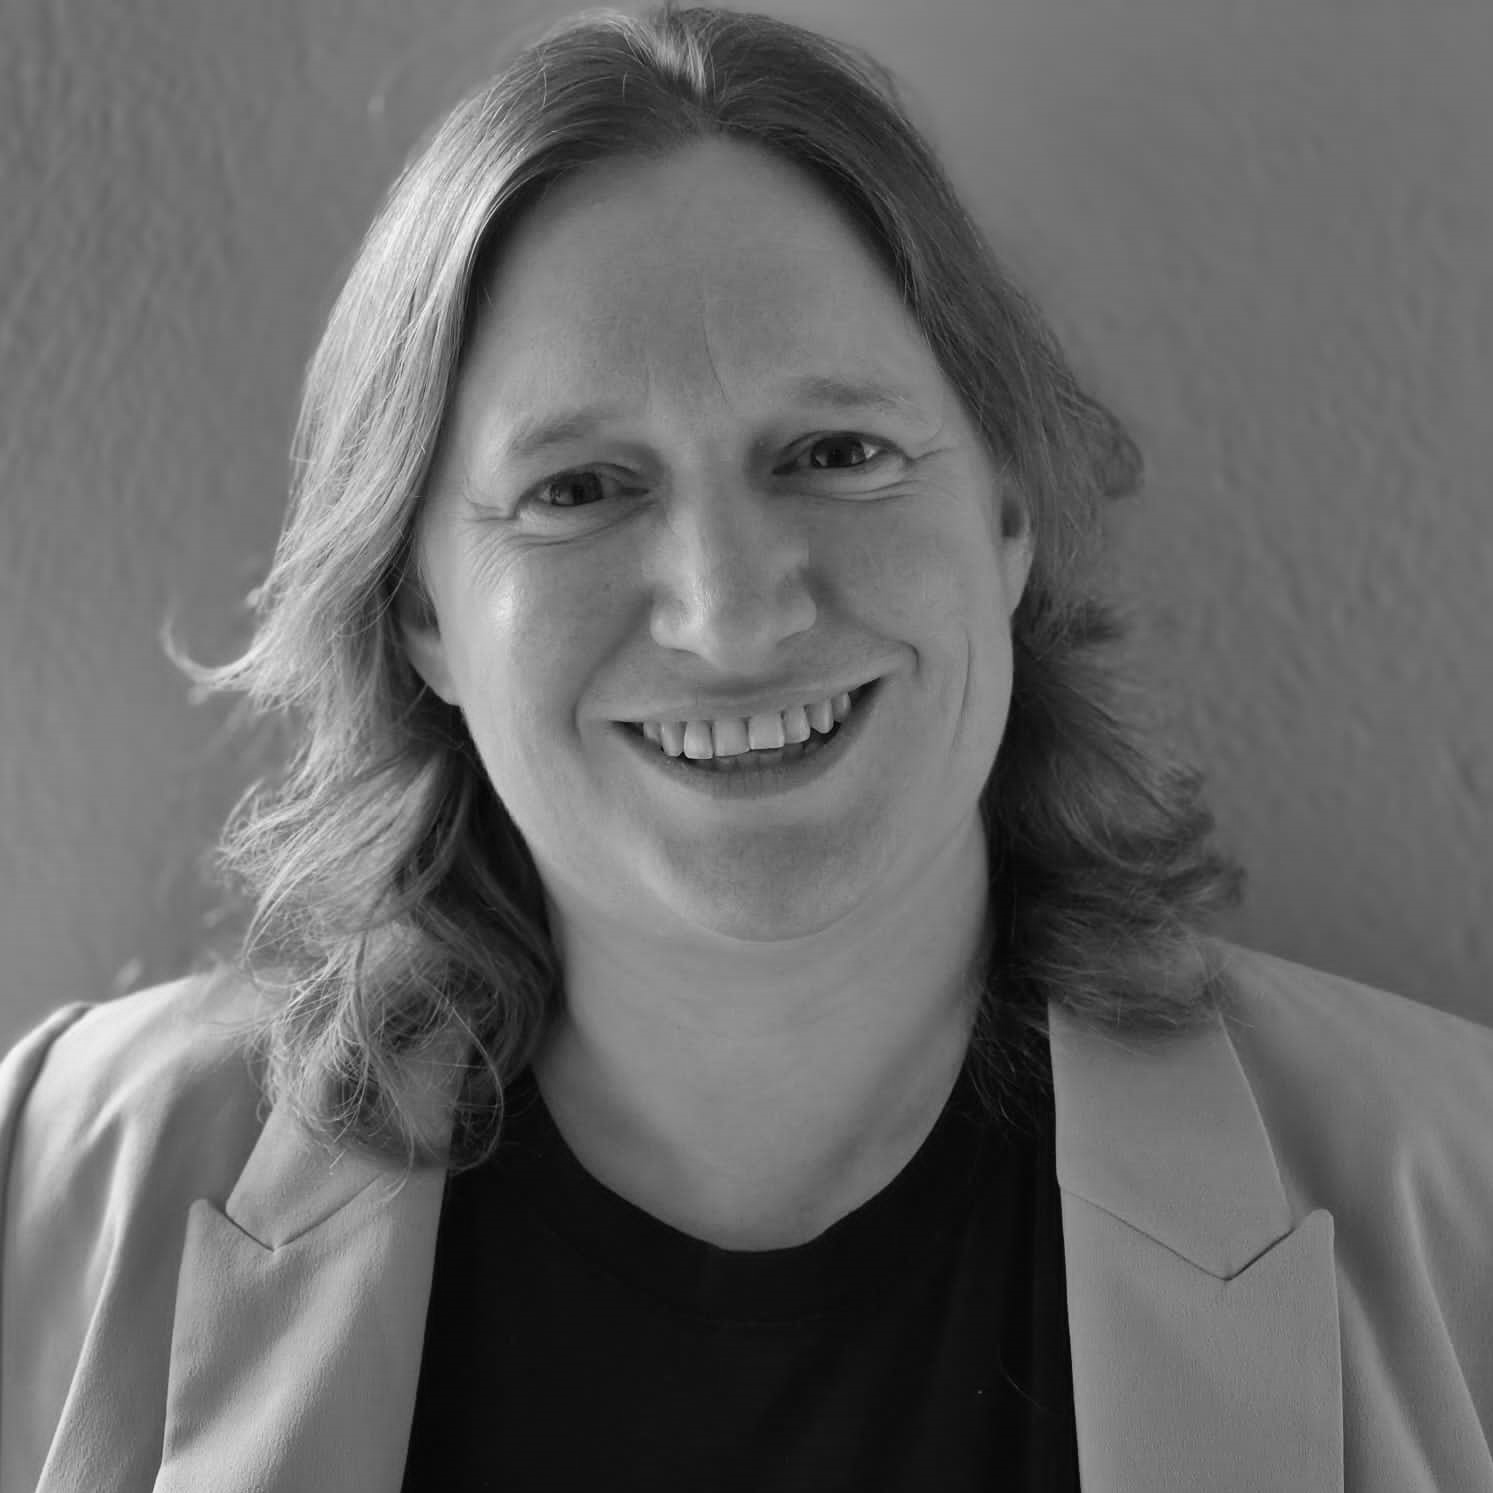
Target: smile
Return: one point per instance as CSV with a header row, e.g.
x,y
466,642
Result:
x,y
758,774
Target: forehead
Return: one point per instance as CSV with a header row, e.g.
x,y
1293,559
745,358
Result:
x,y
700,275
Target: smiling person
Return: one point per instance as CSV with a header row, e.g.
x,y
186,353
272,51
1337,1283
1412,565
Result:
x,y
729,1002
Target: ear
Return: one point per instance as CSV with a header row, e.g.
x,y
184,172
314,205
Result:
x,y
420,634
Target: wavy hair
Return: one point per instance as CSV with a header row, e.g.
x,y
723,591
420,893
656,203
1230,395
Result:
x,y
398,922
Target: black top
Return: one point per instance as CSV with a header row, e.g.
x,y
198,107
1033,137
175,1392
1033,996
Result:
x,y
574,1341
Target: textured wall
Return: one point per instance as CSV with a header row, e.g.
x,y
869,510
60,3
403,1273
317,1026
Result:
x,y
1262,226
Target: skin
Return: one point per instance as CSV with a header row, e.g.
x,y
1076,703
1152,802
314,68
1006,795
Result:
x,y
766,1004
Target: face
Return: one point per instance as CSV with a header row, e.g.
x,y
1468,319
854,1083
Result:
x,y
717,532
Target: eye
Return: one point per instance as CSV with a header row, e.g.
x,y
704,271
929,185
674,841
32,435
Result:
x,y
583,486
563,485
840,441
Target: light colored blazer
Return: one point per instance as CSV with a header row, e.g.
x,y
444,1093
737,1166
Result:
x,y
1278,1238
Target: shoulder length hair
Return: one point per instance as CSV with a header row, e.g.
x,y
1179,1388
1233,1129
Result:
x,y
398,923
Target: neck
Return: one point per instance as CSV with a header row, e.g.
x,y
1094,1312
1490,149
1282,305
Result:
x,y
754,1111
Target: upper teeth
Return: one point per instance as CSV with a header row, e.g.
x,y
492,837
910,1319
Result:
x,y
729,738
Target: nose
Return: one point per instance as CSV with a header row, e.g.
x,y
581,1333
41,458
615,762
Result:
x,y
731,580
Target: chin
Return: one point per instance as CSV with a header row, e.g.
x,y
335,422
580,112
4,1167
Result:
x,y
781,895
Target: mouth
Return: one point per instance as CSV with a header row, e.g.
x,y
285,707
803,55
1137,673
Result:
x,y
766,757
762,772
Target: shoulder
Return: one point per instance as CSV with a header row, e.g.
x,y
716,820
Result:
x,y
1379,1111
115,1117
107,1084
1363,1045
1361,1088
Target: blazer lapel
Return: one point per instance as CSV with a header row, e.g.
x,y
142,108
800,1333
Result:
x,y
1204,1326
300,1315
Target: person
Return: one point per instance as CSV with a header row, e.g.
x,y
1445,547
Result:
x,y
730,1000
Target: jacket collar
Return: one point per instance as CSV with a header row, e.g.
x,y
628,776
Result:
x,y
1203,1323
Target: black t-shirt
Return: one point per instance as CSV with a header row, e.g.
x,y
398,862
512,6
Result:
x,y
574,1341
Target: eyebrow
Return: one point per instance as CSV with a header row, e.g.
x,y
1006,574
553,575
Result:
x,y
529,435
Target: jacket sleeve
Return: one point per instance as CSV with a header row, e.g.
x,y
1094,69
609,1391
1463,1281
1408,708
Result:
x,y
23,1385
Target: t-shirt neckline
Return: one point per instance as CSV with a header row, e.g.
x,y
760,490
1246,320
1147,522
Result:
x,y
884,1238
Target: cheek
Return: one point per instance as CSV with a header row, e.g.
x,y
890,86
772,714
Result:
x,y
536,638
931,573
943,585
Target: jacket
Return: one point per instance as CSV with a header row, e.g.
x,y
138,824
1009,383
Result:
x,y
1278,1237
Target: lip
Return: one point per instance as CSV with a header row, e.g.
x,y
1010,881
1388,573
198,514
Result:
x,y
752,783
